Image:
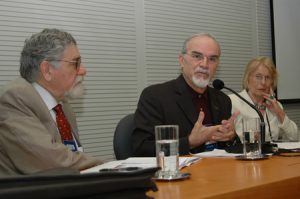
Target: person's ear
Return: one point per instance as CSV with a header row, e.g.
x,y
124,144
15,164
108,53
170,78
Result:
x,y
46,70
181,60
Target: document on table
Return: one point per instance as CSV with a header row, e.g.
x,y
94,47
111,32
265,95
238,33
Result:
x,y
143,162
288,145
216,153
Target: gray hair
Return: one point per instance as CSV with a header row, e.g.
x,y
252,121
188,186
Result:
x,y
183,50
46,45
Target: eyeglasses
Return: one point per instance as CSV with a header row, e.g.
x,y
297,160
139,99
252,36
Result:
x,y
260,78
77,63
199,57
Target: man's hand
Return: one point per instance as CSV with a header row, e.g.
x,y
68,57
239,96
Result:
x,y
201,134
226,130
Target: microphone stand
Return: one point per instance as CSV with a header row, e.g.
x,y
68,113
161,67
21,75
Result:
x,y
262,121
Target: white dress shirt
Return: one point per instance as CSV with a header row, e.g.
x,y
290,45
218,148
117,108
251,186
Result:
x,y
51,102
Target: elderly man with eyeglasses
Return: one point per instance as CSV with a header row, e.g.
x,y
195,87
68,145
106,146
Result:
x,y
202,113
34,135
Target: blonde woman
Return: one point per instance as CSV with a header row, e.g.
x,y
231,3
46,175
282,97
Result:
x,y
259,82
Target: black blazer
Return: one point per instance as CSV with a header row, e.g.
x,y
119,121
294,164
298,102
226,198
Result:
x,y
171,103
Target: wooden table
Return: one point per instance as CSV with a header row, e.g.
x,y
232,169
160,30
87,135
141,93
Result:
x,y
276,177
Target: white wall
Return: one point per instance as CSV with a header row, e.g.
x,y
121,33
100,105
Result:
x,y
127,45
287,47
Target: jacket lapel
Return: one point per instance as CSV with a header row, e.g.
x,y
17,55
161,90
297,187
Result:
x,y
184,100
214,106
38,108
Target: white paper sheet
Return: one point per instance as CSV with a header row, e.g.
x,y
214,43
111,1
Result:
x,y
107,165
143,162
288,145
216,153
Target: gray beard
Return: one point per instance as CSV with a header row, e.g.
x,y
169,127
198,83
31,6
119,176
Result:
x,y
200,83
76,91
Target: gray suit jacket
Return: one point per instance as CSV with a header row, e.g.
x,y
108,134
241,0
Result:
x,y
29,139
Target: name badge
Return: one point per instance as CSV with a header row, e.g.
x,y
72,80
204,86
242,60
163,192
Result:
x,y
70,144
210,146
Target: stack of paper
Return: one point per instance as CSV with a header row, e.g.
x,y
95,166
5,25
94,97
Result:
x,y
216,153
147,162
143,162
288,145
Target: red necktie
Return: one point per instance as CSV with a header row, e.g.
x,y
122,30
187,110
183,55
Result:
x,y
63,124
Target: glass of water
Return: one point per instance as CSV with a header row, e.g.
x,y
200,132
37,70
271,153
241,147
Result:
x,y
166,137
251,138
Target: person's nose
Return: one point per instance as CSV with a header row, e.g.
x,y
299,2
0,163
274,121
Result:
x,y
204,63
82,71
263,80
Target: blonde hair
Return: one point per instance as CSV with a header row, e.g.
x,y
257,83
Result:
x,y
253,65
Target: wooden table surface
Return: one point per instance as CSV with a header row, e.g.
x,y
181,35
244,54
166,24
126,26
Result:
x,y
275,177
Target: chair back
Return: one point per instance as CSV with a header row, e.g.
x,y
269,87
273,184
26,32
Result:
x,y
122,137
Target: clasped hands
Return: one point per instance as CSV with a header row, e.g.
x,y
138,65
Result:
x,y
222,132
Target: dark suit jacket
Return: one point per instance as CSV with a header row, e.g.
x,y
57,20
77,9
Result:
x,y
171,103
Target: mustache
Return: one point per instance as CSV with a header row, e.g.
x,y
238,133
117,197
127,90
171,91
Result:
x,y
201,70
79,80
77,89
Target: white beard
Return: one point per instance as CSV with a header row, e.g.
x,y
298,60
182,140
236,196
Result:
x,y
77,90
201,82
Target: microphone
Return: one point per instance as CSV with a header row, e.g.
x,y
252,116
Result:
x,y
219,84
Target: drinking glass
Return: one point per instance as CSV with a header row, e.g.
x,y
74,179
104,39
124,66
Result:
x,y
166,138
251,138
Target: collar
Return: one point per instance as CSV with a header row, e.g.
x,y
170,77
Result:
x,y
246,95
196,95
49,100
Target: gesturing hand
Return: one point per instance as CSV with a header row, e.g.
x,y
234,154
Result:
x,y
201,134
226,129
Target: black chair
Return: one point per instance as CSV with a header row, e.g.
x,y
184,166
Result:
x,y
122,137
